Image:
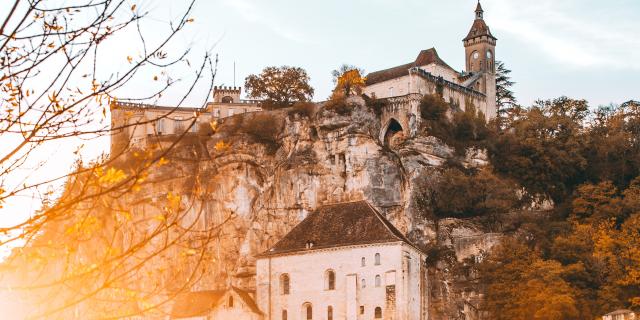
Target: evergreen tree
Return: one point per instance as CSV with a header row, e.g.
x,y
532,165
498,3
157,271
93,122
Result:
x,y
505,98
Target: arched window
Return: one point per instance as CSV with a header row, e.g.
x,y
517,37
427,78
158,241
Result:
x,y
284,284
363,283
363,262
284,314
377,259
378,281
378,313
330,280
329,313
227,99
307,311
230,304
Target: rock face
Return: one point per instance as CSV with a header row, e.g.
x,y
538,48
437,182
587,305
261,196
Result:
x,y
261,191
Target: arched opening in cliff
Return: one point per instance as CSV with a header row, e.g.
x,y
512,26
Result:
x,y
393,134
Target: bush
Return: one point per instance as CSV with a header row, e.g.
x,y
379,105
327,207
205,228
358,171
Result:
x,y
339,105
464,195
264,128
303,109
433,107
376,105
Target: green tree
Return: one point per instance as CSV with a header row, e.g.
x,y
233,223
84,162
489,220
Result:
x,y
280,87
542,148
505,98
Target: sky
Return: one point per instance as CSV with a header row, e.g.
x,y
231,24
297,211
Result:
x,y
579,48
583,49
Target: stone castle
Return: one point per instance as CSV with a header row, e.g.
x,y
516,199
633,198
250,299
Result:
x,y
327,239
402,86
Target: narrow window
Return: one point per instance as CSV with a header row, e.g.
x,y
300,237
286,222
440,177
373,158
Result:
x,y
284,284
378,280
361,309
329,313
230,302
284,314
160,127
309,311
377,259
330,277
364,283
378,313
363,262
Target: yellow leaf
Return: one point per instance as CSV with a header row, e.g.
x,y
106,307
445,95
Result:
x,y
162,161
190,20
133,7
129,58
155,78
221,146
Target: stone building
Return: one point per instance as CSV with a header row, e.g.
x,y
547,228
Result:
x,y
135,124
429,74
227,102
344,261
620,315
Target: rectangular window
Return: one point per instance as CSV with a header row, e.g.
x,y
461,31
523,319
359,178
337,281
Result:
x,y
230,113
216,113
160,126
361,309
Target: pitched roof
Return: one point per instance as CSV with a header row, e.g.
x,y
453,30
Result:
x,y
479,28
479,7
195,304
337,225
426,57
247,299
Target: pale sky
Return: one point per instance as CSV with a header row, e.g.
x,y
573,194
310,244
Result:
x,y
580,48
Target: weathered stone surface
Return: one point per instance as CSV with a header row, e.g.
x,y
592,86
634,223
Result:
x,y
329,158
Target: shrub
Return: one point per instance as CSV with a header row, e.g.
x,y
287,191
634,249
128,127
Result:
x,y
303,109
433,107
339,105
263,128
376,105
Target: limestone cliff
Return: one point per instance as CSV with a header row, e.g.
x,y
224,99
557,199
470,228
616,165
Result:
x,y
319,156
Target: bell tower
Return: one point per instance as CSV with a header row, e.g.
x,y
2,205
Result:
x,y
480,57
480,45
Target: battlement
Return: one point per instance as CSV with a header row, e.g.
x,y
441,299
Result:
x,y
224,94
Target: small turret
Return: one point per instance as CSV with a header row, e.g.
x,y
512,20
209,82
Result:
x,y
226,94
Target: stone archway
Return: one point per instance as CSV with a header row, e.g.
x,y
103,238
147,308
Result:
x,y
393,133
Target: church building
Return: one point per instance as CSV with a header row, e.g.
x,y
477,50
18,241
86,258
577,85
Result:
x,y
344,261
429,74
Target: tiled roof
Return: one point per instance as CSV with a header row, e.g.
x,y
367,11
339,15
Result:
x,y
195,304
479,29
426,57
337,225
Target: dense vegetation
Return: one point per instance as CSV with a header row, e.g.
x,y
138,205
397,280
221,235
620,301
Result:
x,y
581,259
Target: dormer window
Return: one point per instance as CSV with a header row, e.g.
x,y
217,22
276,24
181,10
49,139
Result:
x,y
309,244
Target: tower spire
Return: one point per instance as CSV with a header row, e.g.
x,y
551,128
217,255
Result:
x,y
479,11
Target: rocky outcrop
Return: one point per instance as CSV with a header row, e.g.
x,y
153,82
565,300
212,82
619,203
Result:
x,y
260,194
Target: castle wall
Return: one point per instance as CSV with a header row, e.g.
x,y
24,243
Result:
x,y
134,123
